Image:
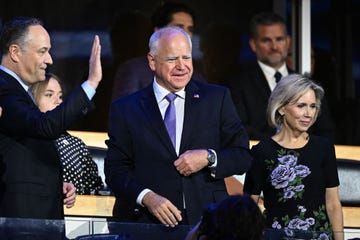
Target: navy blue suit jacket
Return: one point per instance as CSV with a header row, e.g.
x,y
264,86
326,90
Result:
x,y
30,168
140,153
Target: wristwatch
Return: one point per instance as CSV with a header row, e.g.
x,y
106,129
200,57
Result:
x,y
211,157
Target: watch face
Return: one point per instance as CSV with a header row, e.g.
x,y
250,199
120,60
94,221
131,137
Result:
x,y
211,157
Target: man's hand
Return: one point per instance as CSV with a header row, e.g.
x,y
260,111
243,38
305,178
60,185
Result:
x,y
162,209
95,70
191,161
69,193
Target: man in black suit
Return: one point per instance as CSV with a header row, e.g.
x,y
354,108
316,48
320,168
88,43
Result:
x,y
252,87
31,182
161,177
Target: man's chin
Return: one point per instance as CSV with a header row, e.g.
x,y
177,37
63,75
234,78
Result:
x,y
41,78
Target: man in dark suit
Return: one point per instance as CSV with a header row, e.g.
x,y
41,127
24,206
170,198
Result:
x,y
251,88
31,182
164,176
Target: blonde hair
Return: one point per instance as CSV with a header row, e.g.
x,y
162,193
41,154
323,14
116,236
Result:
x,y
38,89
290,89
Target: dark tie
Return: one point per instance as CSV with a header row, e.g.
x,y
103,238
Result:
x,y
170,118
277,76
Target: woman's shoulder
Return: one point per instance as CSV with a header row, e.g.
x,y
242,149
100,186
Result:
x,y
320,141
264,145
268,141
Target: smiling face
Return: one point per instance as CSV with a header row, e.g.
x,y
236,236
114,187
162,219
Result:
x,y
51,97
33,57
299,115
173,62
271,44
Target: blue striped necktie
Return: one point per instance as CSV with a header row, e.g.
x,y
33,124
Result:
x,y
170,118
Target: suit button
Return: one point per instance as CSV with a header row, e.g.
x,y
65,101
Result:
x,y
137,211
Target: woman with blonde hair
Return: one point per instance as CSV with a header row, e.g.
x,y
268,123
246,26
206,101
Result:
x,y
296,172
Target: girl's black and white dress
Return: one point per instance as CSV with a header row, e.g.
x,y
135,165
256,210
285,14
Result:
x,y
78,166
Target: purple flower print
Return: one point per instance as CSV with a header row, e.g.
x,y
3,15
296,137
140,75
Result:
x,y
276,225
302,171
299,188
310,220
289,232
282,175
290,160
288,194
298,224
302,209
323,236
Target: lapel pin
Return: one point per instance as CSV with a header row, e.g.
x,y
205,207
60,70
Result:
x,y
196,95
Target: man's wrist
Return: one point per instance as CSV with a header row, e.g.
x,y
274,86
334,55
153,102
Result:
x,y
140,198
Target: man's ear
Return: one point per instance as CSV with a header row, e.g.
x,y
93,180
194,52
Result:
x,y
252,44
151,60
14,51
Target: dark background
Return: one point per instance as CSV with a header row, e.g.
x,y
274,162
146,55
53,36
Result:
x,y
73,24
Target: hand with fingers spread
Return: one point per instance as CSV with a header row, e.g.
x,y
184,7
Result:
x,y
191,161
162,209
95,69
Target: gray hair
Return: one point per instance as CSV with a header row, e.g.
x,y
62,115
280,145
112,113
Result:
x,y
287,90
168,32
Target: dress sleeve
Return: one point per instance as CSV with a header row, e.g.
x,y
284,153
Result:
x,y
254,178
90,174
332,179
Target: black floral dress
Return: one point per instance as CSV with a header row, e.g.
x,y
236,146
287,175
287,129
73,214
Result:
x,y
293,182
78,166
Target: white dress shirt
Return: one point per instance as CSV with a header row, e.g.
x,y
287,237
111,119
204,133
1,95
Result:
x,y
270,72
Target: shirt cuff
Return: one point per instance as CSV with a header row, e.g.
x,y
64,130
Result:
x,y
89,90
141,196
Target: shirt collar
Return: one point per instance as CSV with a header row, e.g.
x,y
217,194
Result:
x,y
160,92
269,71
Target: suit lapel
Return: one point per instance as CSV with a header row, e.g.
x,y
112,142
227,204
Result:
x,y
153,116
192,99
14,83
261,81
